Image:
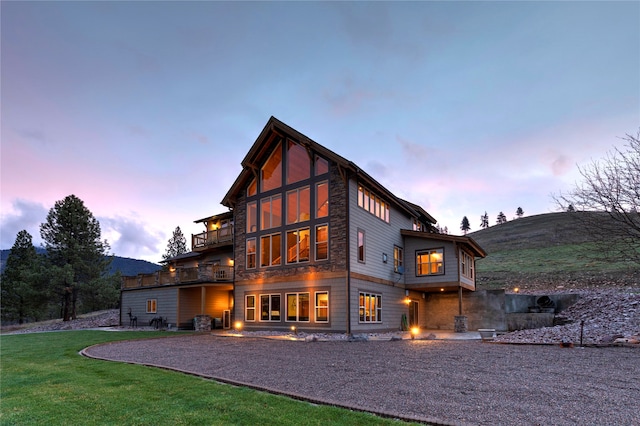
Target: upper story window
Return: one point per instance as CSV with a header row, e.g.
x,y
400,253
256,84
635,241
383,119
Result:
x,y
271,212
430,262
298,205
322,166
373,204
322,199
360,245
466,265
417,225
398,255
298,163
252,189
271,172
252,216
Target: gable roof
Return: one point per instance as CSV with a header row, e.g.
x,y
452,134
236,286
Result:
x,y
276,128
468,242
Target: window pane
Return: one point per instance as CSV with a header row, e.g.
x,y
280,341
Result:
x,y
251,253
305,204
322,307
298,164
264,308
292,246
322,166
276,211
265,212
303,307
292,307
265,251
361,246
275,307
322,245
322,199
271,173
292,206
276,255
253,188
252,216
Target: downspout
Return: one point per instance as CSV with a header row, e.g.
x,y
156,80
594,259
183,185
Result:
x,y
345,180
457,250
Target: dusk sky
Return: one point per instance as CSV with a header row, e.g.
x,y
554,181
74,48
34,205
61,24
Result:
x,y
144,110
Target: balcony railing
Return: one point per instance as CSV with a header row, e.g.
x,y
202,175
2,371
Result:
x,y
212,238
200,274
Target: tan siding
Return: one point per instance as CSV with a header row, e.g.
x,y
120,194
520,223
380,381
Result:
x,y
393,307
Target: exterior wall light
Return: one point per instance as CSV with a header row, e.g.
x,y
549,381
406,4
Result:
x,y
238,325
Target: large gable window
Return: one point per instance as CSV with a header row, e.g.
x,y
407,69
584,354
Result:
x,y
271,172
298,163
430,262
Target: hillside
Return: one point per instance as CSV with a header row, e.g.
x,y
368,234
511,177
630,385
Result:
x,y
547,251
125,265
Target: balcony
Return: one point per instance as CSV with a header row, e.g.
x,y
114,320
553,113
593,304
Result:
x,y
200,274
210,239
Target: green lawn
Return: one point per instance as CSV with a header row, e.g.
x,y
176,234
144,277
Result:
x,y
45,381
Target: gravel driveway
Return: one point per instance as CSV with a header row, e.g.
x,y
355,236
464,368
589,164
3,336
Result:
x,y
444,382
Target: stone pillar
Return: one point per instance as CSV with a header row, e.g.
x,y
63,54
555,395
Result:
x,y
202,323
460,325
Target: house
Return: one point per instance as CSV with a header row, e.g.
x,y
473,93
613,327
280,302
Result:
x,y
310,241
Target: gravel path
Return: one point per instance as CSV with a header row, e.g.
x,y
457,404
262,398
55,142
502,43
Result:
x,y
443,382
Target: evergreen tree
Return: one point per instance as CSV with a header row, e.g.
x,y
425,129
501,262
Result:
x,y
176,246
501,218
23,290
519,212
77,255
464,226
484,220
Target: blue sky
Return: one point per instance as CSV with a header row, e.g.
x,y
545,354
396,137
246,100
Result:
x,y
144,110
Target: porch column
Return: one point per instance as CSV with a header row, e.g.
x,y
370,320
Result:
x,y
203,299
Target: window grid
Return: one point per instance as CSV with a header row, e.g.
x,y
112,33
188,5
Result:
x,y
250,308
430,262
297,307
322,306
370,202
398,255
370,307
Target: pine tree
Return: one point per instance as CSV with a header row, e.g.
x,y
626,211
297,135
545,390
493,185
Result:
x,y
78,257
501,218
519,212
23,290
484,220
176,246
464,226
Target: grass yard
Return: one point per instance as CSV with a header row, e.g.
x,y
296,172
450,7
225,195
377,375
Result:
x,y
44,380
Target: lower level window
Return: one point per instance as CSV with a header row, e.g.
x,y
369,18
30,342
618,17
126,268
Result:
x,y
298,307
322,306
370,307
269,307
250,308
152,306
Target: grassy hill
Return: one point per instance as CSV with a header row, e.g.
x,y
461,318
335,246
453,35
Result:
x,y
546,251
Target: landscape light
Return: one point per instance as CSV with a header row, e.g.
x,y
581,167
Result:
x,y
293,328
414,332
238,325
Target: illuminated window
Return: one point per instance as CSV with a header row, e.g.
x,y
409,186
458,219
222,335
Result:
x,y
322,166
152,306
322,306
298,307
250,308
360,245
430,262
271,172
370,307
322,242
270,250
271,212
398,255
322,199
298,205
298,245
251,253
252,216
373,204
253,188
298,163
269,307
